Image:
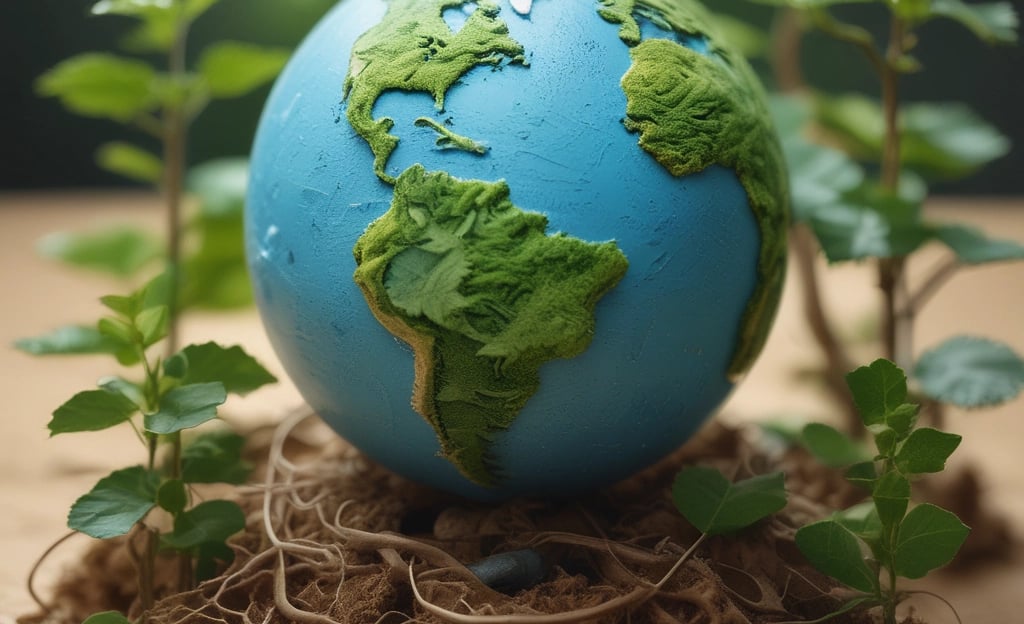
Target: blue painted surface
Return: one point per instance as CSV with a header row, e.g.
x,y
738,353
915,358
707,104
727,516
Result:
x,y
657,366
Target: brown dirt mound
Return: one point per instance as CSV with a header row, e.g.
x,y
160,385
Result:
x,y
334,538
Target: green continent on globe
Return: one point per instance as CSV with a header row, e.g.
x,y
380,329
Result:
x,y
484,297
413,49
693,111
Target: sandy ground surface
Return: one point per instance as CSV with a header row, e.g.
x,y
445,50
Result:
x,y
40,478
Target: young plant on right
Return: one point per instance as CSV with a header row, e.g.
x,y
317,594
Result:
x,y
871,545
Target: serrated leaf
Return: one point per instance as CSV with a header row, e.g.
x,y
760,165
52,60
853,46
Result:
x,y
232,68
186,407
107,617
926,450
92,410
892,497
211,522
832,447
119,251
929,538
215,458
715,506
837,552
70,340
115,504
172,496
877,389
101,85
971,372
972,246
992,22
130,161
237,370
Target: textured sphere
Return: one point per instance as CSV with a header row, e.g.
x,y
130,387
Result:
x,y
511,248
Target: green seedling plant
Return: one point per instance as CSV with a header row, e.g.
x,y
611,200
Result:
x,y
165,391
860,168
169,396
201,251
871,545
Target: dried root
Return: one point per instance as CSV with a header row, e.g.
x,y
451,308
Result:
x,y
335,539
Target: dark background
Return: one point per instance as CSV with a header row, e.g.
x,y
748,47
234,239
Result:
x,y
43,146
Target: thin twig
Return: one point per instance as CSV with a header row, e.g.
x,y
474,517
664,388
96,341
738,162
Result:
x,y
30,582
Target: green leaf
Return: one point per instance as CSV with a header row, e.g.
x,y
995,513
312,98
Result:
x,y
119,251
863,475
834,550
115,504
176,366
877,390
869,222
119,330
152,323
862,520
130,161
221,185
172,496
948,141
891,496
929,538
232,68
186,407
971,372
132,7
926,450
101,85
211,522
715,506
107,617
131,391
911,10
902,419
211,556
886,439
992,22
70,340
216,276
832,447
972,246
92,410
819,176
237,370
215,458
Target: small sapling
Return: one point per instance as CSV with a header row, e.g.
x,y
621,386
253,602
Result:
x,y
869,546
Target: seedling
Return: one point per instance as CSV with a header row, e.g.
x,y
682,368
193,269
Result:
x,y
182,388
842,207
869,546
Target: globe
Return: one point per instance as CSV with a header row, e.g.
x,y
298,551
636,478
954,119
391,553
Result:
x,y
516,248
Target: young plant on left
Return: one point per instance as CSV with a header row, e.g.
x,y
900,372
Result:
x,y
166,397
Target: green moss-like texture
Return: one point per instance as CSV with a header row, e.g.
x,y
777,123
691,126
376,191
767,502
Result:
x,y
412,49
693,111
484,297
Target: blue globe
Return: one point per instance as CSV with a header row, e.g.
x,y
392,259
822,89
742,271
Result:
x,y
516,248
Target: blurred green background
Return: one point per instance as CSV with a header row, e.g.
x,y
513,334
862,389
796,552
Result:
x,y
43,146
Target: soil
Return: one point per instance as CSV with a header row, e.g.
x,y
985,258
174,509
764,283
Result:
x,y
333,537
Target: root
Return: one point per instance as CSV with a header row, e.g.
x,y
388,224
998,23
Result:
x,y
335,539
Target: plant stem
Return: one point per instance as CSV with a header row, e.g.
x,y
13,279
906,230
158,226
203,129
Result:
x,y
837,362
897,329
787,36
174,139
